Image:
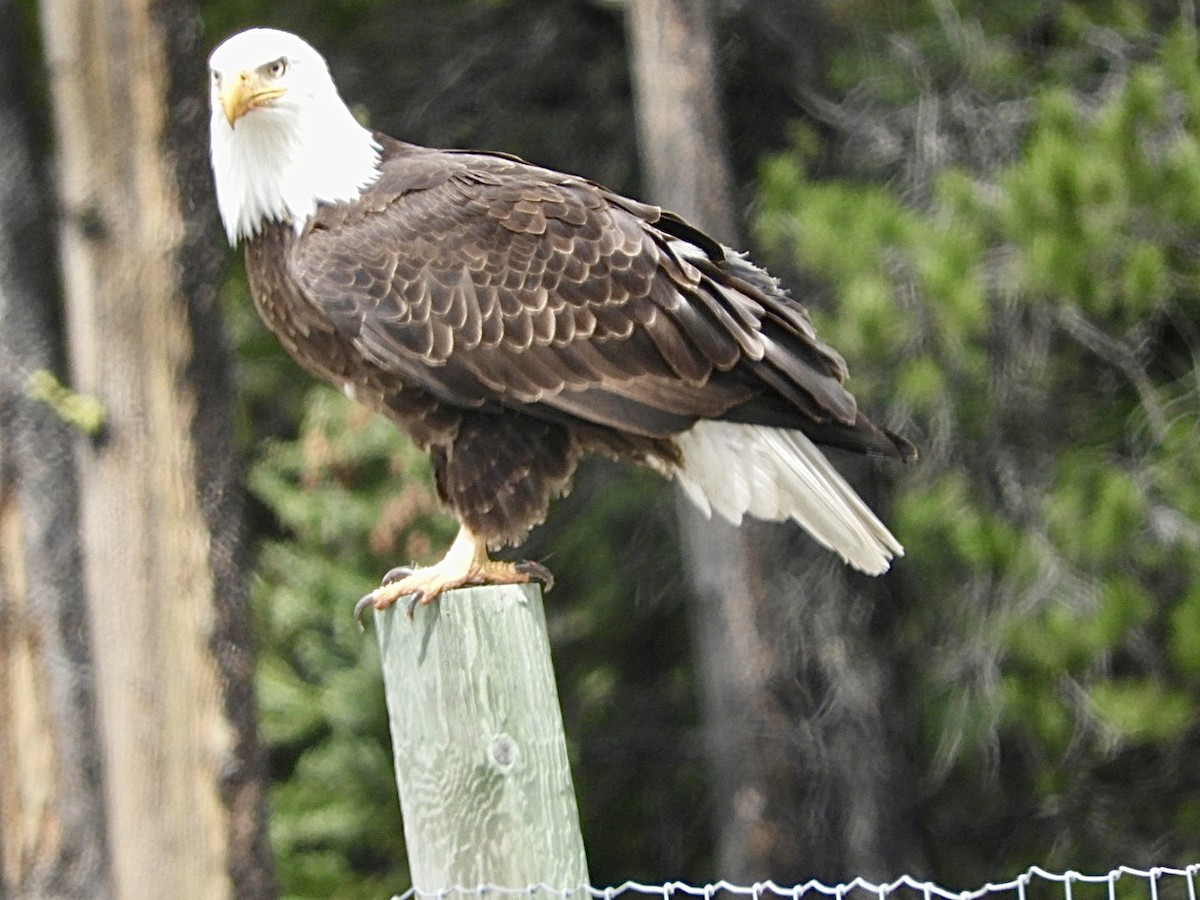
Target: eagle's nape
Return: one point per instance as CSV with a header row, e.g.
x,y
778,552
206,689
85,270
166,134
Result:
x,y
465,564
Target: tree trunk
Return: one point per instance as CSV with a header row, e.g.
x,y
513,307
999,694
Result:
x,y
803,754
52,818
678,112
160,513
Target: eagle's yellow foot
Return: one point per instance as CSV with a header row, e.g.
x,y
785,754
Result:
x,y
466,563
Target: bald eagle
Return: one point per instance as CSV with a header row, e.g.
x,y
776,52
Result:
x,y
510,319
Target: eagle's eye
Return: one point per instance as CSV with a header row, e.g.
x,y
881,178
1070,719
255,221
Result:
x,y
216,77
277,68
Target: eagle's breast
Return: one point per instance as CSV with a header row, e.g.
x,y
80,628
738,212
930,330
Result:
x,y
303,327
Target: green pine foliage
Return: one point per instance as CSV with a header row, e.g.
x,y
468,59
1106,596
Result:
x,y
1022,301
1033,326
350,498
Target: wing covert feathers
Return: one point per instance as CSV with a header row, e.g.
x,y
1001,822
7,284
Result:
x,y
511,318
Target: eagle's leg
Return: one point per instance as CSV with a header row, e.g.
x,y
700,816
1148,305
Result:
x,y
466,563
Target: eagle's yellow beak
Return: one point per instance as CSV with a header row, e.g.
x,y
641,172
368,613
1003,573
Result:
x,y
245,92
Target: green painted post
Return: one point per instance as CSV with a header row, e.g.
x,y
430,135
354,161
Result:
x,y
480,754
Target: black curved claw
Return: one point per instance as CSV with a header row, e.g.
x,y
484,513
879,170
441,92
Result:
x,y
360,607
413,599
538,572
396,574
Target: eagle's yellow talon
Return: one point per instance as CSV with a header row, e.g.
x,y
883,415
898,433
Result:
x,y
466,563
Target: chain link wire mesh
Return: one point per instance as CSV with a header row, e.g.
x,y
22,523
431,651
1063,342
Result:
x,y
1122,883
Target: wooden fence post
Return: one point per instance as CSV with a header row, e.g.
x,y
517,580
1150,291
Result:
x,y
481,759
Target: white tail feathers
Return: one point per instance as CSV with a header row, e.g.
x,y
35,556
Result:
x,y
776,474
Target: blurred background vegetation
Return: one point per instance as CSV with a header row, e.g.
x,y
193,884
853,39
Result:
x,y
993,210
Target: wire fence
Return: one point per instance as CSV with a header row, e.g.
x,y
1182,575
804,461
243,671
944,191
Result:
x,y
1123,883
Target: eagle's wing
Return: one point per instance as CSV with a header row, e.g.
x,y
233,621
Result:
x,y
486,280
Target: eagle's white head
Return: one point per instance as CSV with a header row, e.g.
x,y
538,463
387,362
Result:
x,y
282,139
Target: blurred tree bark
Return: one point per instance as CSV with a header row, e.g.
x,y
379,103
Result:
x,y
799,714
52,818
160,513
